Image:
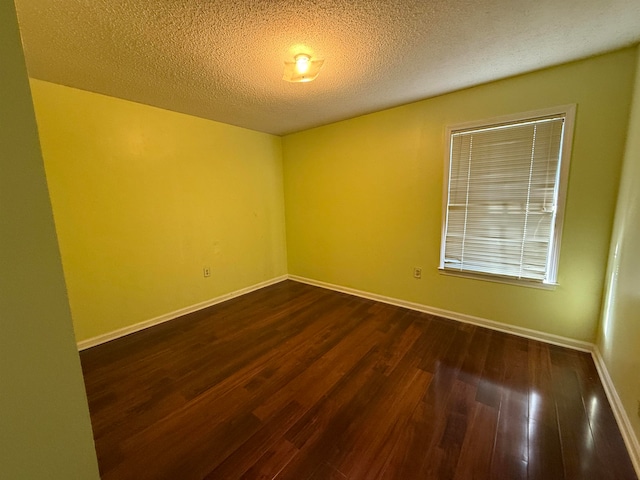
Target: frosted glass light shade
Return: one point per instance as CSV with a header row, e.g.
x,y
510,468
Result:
x,y
302,69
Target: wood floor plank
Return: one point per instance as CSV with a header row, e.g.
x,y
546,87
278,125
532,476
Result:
x,y
298,382
490,381
511,450
258,444
347,430
545,450
370,450
475,357
607,438
578,453
474,461
318,378
271,463
459,415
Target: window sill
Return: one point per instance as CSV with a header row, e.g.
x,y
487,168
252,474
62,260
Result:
x,y
498,279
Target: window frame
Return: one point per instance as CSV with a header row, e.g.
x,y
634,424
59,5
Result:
x,y
566,111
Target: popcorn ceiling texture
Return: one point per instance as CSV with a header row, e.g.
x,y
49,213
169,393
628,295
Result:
x,y
224,59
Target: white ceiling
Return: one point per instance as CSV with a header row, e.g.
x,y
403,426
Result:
x,y
224,59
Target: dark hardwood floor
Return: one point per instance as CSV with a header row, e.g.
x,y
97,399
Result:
x,y
298,382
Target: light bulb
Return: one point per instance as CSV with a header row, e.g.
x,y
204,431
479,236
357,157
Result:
x,y
303,62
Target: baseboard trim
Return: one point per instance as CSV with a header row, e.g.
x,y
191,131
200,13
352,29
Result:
x,y
121,332
461,317
630,439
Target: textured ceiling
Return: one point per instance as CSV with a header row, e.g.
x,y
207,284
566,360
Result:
x,y
224,59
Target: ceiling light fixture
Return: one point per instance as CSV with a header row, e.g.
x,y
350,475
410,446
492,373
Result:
x,y
302,69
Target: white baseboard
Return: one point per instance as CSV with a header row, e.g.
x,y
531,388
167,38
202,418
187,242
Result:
x,y
461,317
628,434
121,332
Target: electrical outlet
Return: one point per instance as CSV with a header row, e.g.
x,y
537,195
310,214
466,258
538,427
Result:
x,y
206,271
417,272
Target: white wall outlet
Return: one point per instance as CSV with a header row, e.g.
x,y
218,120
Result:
x,y
417,272
206,271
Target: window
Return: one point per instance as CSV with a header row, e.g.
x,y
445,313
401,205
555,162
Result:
x,y
504,201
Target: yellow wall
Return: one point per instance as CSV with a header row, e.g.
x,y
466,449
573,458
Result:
x,y
45,430
619,333
364,197
144,198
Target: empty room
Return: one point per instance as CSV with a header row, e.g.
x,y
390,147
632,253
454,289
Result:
x,y
320,239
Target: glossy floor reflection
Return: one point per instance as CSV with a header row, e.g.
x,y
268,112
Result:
x,y
297,382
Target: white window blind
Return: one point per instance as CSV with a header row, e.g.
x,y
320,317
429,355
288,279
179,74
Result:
x,y
502,202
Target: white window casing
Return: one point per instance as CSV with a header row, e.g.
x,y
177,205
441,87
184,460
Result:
x,y
505,187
